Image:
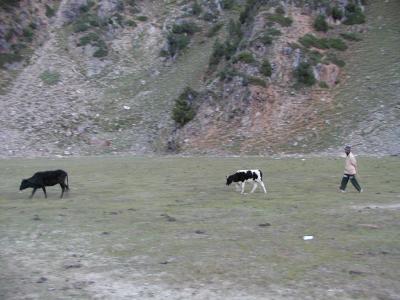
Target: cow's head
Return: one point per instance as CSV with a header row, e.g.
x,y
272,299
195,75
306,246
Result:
x,y
24,184
229,180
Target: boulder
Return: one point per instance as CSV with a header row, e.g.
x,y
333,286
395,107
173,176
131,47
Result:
x,y
327,73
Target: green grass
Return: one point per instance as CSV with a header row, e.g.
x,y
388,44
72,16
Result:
x,y
169,223
50,78
281,20
351,36
310,40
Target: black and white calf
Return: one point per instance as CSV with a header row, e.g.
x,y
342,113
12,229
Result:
x,y
243,176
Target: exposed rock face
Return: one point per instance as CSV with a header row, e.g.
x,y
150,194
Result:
x,y
72,9
327,73
107,8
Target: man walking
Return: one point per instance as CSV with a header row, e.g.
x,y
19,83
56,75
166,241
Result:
x,y
350,170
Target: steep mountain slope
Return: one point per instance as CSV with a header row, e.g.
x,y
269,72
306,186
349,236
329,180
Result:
x,y
104,76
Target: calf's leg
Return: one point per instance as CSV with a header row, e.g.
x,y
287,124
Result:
x,y
33,193
62,189
44,191
254,187
242,184
263,186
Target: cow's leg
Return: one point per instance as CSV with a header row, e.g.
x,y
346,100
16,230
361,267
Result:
x,y
263,186
44,191
254,187
242,184
62,189
33,193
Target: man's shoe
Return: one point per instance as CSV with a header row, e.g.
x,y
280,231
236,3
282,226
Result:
x,y
343,191
361,190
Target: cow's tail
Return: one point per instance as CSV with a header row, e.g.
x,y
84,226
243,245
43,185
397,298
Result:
x,y
261,175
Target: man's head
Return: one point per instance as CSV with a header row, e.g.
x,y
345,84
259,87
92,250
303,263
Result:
x,y
347,149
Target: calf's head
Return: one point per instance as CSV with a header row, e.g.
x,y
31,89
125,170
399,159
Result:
x,y
24,184
229,180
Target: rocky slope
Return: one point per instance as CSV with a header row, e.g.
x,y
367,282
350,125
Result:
x,y
95,77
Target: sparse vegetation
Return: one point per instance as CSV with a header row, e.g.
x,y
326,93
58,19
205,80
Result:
x,y
266,39
9,58
274,32
189,28
183,111
28,34
314,57
353,14
50,77
332,58
246,57
50,12
246,15
310,40
281,20
351,36
217,54
320,24
252,80
323,85
337,43
90,38
227,4
266,68
142,18
280,10
176,43
196,8
130,23
336,13
228,73
214,29
304,74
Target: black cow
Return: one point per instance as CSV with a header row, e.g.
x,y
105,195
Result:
x,y
243,176
46,178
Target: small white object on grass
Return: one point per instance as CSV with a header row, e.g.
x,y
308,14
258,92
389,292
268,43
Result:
x,y
308,237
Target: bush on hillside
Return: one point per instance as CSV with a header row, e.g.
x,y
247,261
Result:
x,y
310,40
280,10
351,36
183,111
304,74
177,42
337,43
353,14
214,29
246,57
50,78
227,4
320,24
50,12
217,54
336,13
266,39
281,20
252,80
142,18
266,68
9,58
185,27
196,8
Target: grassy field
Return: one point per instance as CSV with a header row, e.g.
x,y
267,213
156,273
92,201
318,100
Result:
x,y
169,228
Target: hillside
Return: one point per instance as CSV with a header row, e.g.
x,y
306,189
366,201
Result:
x,y
85,77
